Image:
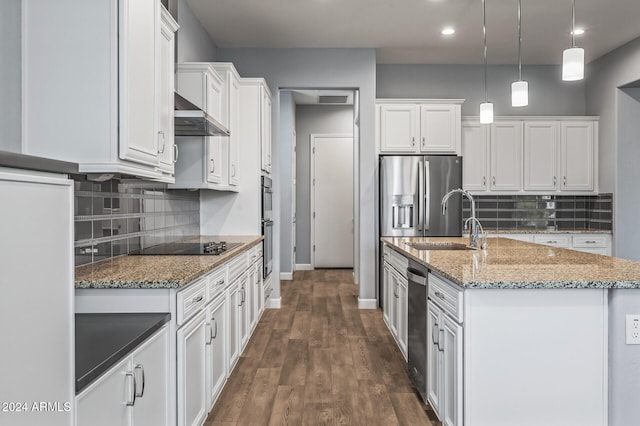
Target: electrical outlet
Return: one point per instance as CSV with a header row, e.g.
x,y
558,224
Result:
x,y
633,329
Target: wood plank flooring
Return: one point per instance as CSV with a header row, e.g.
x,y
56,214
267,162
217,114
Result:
x,y
320,360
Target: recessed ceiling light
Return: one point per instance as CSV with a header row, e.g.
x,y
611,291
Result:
x,y
448,31
578,31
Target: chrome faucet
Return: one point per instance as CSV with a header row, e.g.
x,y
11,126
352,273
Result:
x,y
475,223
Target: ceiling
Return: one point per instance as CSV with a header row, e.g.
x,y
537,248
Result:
x,y
408,31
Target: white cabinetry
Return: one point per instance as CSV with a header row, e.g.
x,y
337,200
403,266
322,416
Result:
x,y
530,154
133,392
595,243
577,155
216,356
506,156
265,127
396,297
419,126
204,161
192,391
444,351
540,156
230,118
120,83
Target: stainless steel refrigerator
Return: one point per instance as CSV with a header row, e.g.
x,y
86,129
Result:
x,y
411,189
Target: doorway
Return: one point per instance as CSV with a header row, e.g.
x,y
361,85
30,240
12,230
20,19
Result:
x,y
332,200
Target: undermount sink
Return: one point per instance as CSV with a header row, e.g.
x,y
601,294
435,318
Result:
x,y
439,246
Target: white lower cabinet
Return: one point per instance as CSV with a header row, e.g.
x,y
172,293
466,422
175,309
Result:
x,y
191,340
243,312
444,352
235,307
216,351
595,243
394,285
134,392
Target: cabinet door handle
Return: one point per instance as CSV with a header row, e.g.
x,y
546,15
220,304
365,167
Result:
x,y
413,141
424,141
564,181
141,368
175,153
208,342
213,165
440,295
440,348
435,334
198,298
233,170
554,181
133,389
590,242
552,242
221,282
164,141
484,181
493,180
215,332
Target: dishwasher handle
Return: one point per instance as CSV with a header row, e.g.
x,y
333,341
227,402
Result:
x,y
416,277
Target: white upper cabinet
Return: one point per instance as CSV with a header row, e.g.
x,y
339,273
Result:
x,y
440,128
424,126
104,105
531,154
230,117
540,155
399,128
506,156
577,155
475,151
265,126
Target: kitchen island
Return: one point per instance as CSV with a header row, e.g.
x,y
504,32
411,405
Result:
x,y
516,333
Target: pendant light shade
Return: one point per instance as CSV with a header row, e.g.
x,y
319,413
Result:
x,y
573,58
486,113
519,93
520,88
486,108
573,64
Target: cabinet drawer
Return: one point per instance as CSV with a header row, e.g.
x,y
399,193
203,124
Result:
x,y
253,254
217,282
553,240
446,296
399,262
191,300
589,241
237,266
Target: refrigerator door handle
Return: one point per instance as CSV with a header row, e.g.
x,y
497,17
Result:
x,y
427,194
420,198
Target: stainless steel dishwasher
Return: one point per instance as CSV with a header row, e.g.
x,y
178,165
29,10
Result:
x,y
417,327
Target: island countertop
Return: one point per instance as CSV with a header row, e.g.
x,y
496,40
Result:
x,y
508,263
158,271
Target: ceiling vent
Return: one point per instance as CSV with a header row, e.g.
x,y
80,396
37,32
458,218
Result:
x,y
332,99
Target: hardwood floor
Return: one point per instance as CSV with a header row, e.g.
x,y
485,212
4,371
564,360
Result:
x,y
320,360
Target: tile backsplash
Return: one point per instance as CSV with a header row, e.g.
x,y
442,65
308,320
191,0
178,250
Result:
x,y
113,218
543,212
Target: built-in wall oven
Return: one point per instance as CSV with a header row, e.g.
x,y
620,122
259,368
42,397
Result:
x,y
267,225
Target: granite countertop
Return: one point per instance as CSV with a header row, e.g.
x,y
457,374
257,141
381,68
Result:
x,y
158,271
104,339
508,263
546,231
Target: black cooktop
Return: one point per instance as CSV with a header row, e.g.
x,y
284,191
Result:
x,y
189,249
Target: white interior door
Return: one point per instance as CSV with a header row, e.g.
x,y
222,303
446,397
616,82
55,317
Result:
x,y
332,201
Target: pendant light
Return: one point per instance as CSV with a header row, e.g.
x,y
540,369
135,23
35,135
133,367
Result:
x,y
520,88
573,58
486,108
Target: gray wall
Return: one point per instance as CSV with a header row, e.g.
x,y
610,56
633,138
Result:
x,y
287,126
618,172
10,80
548,94
322,69
313,119
194,43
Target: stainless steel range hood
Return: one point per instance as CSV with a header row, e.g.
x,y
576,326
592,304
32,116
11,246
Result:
x,y
190,120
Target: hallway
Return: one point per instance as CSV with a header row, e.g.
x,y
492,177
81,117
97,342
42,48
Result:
x,y
320,360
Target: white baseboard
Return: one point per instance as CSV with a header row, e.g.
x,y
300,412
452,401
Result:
x,y
304,267
367,303
286,276
273,303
